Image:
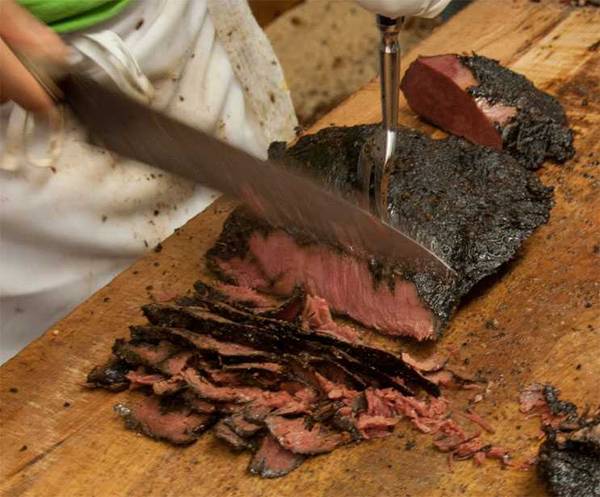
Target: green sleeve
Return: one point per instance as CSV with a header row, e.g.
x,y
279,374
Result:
x,y
64,16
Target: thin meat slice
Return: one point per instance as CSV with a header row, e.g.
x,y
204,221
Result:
x,y
111,376
241,425
272,460
290,309
224,432
317,316
295,435
140,378
178,426
197,404
478,99
203,342
206,390
240,296
168,386
176,363
144,354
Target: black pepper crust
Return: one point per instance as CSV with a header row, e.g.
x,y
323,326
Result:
x,y
475,206
540,129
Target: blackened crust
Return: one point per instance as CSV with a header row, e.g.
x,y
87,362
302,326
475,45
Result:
x,y
540,130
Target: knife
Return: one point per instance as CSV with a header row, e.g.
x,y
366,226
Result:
x,y
285,199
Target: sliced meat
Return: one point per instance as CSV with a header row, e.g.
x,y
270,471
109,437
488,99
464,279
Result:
x,y
478,99
197,404
317,316
272,460
375,426
279,337
268,367
178,426
198,341
295,435
176,363
241,425
140,378
110,376
473,204
224,432
431,364
206,390
145,354
168,386
290,309
243,297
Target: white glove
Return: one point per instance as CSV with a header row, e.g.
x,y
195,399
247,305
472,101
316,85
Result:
x,y
405,8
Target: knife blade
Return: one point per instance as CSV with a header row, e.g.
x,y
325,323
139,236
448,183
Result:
x,y
284,198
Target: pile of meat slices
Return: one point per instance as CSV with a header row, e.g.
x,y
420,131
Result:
x,y
284,382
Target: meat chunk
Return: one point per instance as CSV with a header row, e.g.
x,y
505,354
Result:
x,y
569,460
300,436
478,99
475,205
272,460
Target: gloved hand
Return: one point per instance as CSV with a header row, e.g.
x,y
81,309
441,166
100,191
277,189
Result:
x,y
405,8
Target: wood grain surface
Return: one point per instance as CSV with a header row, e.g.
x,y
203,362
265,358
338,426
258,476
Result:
x,y
537,321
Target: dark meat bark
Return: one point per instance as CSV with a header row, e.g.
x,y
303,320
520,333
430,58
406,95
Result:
x,y
478,99
110,376
144,354
272,460
300,436
569,460
475,205
178,425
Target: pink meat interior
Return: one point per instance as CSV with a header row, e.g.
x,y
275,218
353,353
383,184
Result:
x,y
276,264
436,89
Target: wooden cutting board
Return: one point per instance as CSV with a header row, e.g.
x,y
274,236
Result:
x,y
537,321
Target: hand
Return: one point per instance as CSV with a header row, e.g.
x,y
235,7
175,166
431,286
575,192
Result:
x,y
405,8
19,29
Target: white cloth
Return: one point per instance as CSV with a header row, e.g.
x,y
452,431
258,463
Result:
x,y
66,230
405,8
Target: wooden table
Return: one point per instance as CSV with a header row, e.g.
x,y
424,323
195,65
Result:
x,y
538,321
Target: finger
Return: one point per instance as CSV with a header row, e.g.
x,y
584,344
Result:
x,y
17,83
24,32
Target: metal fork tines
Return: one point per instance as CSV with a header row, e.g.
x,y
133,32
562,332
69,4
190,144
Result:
x,y
379,149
